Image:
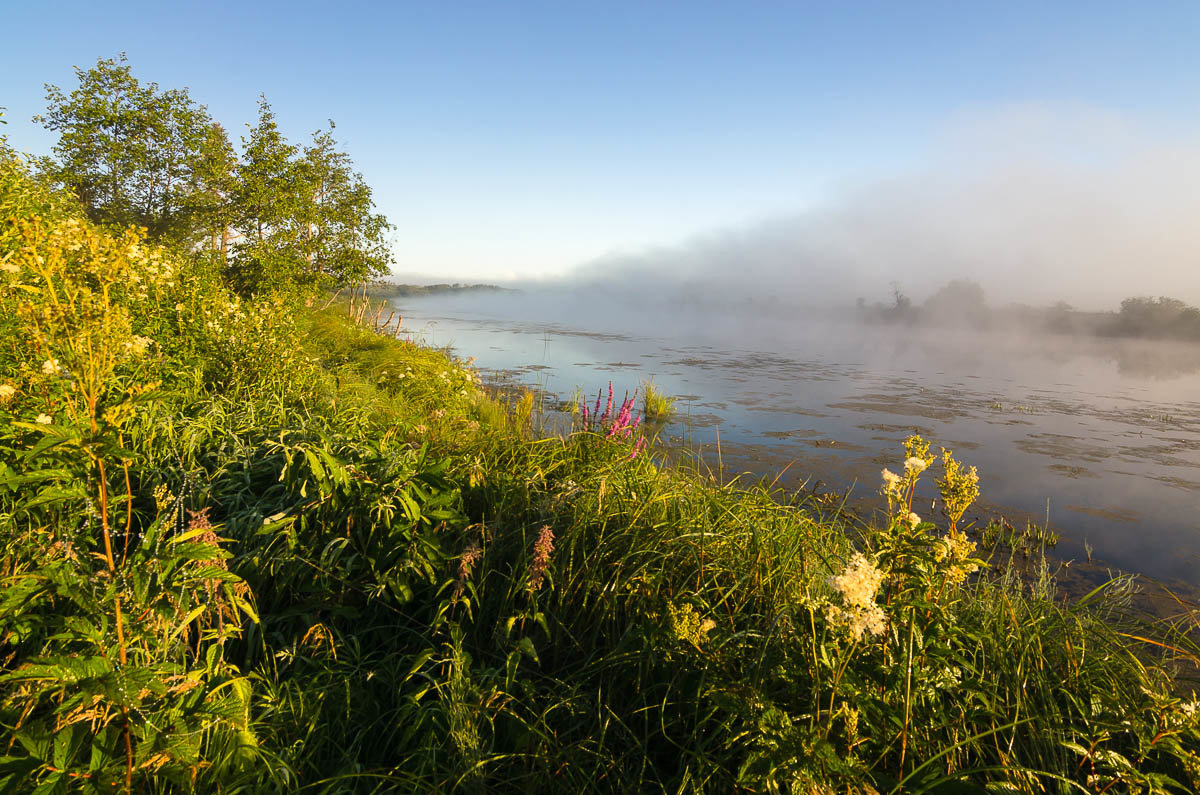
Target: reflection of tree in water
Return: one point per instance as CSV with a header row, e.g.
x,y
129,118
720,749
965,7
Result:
x,y
1160,362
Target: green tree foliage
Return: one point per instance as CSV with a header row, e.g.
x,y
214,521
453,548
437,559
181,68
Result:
x,y
279,216
133,154
305,213
1158,317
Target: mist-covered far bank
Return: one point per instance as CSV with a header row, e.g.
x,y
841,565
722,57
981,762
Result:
x,y
1036,203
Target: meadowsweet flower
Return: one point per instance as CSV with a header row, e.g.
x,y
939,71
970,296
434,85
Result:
x,y
51,367
959,488
8,267
137,344
6,392
542,548
44,419
956,550
858,583
857,586
914,466
913,519
891,482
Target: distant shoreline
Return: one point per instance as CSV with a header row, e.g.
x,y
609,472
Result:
x,y
391,290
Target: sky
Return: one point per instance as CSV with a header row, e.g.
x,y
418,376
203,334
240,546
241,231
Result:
x,y
517,140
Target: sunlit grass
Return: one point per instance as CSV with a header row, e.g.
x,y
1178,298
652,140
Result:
x,y
326,560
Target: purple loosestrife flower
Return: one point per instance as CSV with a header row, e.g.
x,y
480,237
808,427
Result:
x,y
541,557
638,446
608,407
596,413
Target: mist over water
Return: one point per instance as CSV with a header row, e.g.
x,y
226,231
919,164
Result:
x,y
756,329
1037,203
1106,431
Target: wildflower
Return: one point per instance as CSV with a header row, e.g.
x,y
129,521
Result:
x,y
859,582
137,344
914,466
438,414
913,519
959,488
542,548
891,482
857,585
8,267
6,392
44,419
421,429
686,624
470,557
51,367
957,549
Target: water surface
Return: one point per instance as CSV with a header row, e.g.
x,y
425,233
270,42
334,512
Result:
x,y
1101,436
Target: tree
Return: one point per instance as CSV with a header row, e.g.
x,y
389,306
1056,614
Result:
x,y
342,239
131,153
306,215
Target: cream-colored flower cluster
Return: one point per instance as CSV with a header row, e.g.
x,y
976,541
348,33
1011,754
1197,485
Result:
x,y
6,392
137,345
892,483
857,585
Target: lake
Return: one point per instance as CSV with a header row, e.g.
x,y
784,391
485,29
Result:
x,y
1102,436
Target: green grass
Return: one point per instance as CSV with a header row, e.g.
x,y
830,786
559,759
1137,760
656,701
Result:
x,y
657,406
377,605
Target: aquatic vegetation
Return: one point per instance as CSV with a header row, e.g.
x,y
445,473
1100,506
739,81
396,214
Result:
x,y
657,406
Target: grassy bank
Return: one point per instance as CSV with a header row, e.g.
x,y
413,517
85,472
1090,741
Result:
x,y
254,546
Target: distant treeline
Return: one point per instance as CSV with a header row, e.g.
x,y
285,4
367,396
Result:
x,y
962,302
389,290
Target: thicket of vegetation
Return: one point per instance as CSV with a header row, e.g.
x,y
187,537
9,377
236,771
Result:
x,y
963,302
253,547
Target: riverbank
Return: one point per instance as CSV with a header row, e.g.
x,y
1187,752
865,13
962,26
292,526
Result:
x,y
254,546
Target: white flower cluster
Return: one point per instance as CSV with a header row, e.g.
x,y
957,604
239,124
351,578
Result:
x,y
137,345
891,483
857,585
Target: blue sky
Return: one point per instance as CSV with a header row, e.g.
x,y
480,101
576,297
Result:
x,y
517,139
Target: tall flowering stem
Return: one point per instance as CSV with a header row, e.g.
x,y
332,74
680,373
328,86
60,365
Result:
x,y
621,425
542,549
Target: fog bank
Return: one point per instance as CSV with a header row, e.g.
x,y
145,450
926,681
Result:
x,y
1036,203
